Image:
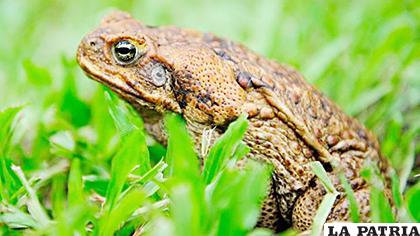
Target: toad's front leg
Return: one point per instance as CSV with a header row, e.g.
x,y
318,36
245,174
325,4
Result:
x,y
307,204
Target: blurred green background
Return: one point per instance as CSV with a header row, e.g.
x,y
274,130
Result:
x,y
364,54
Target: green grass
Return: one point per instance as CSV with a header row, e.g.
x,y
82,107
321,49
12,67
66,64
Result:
x,y
75,159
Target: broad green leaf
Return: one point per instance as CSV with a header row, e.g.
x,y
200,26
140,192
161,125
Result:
x,y
133,152
381,210
186,208
7,116
241,151
102,122
75,185
224,148
185,184
58,195
412,201
96,184
127,123
237,198
396,191
73,221
181,157
9,181
379,204
115,218
119,115
127,157
408,162
37,75
72,107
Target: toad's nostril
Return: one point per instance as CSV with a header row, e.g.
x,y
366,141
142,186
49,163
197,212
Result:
x,y
93,44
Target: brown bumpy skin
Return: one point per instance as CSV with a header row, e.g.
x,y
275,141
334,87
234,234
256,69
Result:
x,y
211,81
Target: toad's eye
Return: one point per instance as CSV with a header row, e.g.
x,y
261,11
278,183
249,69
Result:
x,y
125,52
159,75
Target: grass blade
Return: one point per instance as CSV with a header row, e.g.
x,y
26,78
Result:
x,y
328,201
224,148
381,211
7,117
186,208
181,157
73,221
186,189
15,218
58,198
111,221
123,163
413,203
322,213
238,195
127,123
75,185
119,115
34,206
354,207
322,175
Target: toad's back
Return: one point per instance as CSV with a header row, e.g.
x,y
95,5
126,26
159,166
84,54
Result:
x,y
211,81
292,124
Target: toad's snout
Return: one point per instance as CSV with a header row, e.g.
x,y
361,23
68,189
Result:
x,y
90,47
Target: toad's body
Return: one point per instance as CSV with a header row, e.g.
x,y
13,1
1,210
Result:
x,y
211,81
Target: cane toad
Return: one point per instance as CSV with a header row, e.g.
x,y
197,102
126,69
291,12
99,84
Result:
x,y
210,81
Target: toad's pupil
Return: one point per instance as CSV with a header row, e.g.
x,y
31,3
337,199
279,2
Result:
x,y
125,51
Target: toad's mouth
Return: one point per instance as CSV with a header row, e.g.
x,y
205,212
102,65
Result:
x,y
142,101
117,85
